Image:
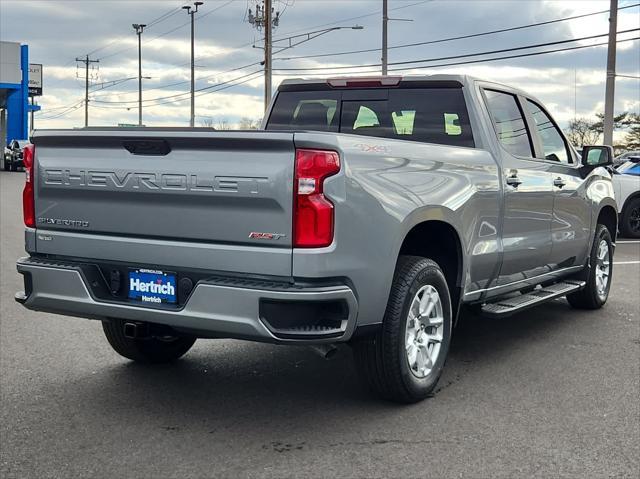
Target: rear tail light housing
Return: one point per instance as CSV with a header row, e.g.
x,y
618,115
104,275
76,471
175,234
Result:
x,y
28,193
313,214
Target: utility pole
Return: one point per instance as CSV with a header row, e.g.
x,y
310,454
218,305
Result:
x,y
264,18
192,12
611,74
267,53
385,22
86,62
139,28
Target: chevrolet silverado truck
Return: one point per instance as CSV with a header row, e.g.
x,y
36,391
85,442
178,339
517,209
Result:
x,y
368,211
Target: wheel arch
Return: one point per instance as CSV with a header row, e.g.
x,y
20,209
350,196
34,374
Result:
x,y
447,251
608,216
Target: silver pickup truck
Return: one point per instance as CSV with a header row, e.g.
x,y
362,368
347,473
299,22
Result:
x,y
367,210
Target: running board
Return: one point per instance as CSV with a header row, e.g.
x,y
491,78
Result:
x,y
501,308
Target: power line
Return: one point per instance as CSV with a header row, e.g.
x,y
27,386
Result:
x,y
504,50
345,20
393,63
169,85
168,14
168,31
483,60
173,97
219,87
94,100
258,73
461,37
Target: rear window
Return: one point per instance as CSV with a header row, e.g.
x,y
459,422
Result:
x,y
430,115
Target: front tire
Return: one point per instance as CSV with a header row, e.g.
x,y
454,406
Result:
x,y
151,350
630,224
599,273
404,360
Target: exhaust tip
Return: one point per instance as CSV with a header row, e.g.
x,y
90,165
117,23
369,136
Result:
x,y
326,351
130,331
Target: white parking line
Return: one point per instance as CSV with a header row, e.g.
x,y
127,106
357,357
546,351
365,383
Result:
x,y
626,262
628,242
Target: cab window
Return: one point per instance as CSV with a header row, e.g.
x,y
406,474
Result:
x,y
553,144
509,123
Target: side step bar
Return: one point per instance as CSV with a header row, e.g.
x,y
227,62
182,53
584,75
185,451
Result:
x,y
503,307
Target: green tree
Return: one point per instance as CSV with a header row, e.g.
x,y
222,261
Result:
x,y
632,139
620,122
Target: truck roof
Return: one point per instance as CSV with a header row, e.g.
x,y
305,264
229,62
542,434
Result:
x,y
464,80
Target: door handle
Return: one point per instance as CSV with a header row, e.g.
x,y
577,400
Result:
x,y
514,180
559,182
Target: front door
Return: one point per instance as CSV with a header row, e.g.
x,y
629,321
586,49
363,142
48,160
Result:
x,y
571,224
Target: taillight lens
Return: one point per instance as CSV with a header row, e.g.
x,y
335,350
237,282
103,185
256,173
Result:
x,y
313,216
28,203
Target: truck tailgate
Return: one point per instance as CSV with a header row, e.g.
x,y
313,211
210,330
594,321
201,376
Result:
x,y
159,188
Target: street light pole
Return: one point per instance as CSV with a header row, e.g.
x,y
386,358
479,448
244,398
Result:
x,y
139,28
192,12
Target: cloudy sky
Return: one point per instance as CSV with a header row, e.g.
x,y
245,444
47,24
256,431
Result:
x,y
228,72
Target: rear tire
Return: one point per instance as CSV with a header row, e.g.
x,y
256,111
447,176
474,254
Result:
x,y
630,224
403,361
152,350
600,269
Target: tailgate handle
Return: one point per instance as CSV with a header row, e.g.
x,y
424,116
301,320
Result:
x,y
147,147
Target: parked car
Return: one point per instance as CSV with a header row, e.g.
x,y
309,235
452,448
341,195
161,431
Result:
x,y
626,182
368,211
13,155
623,158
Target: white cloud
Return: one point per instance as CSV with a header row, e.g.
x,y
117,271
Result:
x,y
58,31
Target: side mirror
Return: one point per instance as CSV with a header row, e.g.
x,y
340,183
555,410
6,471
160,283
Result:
x,y
597,156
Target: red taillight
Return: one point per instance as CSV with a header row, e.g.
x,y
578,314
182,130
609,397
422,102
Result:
x,y
28,203
313,213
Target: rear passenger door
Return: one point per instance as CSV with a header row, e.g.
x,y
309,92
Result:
x,y
528,193
571,223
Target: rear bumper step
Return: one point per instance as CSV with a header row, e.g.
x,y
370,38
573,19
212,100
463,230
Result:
x,y
229,308
508,306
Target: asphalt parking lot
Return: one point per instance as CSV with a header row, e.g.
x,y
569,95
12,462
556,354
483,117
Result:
x,y
551,392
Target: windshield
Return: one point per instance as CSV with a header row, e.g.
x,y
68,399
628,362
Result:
x,y
430,115
629,168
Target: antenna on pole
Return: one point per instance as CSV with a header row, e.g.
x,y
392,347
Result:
x,y
265,18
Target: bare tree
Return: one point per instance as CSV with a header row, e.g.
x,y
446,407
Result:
x,y
247,123
207,122
223,124
582,131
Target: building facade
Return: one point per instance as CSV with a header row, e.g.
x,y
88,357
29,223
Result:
x,y
14,91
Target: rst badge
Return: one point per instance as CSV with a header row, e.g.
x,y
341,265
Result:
x,y
266,236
